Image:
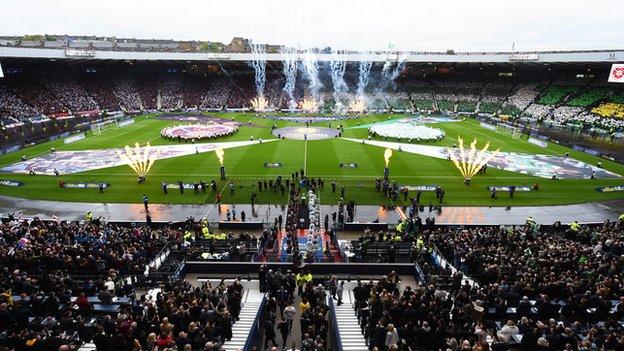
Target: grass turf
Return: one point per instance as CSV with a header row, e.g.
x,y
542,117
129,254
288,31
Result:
x,y
245,165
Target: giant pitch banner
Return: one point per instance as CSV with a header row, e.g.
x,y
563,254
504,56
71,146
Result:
x,y
617,73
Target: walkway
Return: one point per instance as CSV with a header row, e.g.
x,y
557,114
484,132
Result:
x,y
349,329
252,298
585,213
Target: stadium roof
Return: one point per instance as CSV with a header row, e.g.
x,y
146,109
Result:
x,y
93,53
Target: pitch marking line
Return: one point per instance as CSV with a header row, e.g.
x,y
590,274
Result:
x,y
305,157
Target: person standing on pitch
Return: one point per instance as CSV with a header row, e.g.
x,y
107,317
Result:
x,y
145,202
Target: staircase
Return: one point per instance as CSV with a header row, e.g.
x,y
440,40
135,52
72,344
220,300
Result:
x,y
349,329
242,328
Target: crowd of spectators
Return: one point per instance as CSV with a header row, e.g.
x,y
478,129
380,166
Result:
x,y
571,276
56,93
538,111
524,95
562,291
102,90
218,94
293,298
13,107
127,94
193,91
243,91
28,89
170,91
66,88
67,283
49,268
147,90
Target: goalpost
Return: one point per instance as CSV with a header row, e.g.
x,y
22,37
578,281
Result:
x,y
512,131
99,128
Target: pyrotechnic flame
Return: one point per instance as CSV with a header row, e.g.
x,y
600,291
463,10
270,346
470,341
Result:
x,y
470,162
139,159
387,155
219,153
308,105
358,105
259,103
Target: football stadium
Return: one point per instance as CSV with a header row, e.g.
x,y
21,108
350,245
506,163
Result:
x,y
168,194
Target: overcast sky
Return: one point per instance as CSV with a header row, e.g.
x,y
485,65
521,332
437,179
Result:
x,y
477,25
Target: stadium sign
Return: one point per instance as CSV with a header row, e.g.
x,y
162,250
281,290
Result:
x,y
488,126
125,122
85,185
218,56
523,57
617,73
610,189
79,53
537,142
348,165
272,164
13,183
507,187
74,138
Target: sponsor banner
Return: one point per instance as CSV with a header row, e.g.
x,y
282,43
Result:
x,y
8,182
537,142
185,185
348,165
488,126
586,150
272,164
85,185
506,188
523,57
125,122
617,73
421,187
74,138
79,53
610,188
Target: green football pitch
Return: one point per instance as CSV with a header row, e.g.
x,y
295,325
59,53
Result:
x,y
245,166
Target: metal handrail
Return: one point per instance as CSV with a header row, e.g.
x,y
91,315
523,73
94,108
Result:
x,y
337,340
255,327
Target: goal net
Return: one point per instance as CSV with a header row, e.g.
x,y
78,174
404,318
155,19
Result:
x,y
512,131
99,128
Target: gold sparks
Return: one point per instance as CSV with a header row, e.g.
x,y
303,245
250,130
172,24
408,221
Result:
x,y
139,159
469,162
220,153
387,155
308,105
259,104
357,105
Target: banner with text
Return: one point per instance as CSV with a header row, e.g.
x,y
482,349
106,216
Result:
x,y
504,188
8,182
421,187
610,189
